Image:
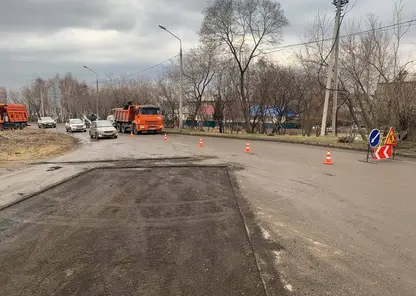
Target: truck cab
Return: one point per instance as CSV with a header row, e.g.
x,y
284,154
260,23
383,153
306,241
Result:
x,y
139,118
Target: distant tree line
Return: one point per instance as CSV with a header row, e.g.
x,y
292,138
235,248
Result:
x,y
232,70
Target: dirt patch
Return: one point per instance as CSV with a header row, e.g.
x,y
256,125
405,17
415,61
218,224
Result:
x,y
160,231
31,144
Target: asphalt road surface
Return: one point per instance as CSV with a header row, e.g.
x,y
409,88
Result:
x,y
157,231
346,229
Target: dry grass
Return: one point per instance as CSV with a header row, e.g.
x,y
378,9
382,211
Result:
x,y
31,144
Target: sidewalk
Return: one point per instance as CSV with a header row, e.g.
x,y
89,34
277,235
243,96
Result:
x,y
21,184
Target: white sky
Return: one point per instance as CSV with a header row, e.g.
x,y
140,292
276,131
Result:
x,y
45,37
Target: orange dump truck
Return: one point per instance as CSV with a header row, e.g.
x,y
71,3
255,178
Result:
x,y
13,116
138,119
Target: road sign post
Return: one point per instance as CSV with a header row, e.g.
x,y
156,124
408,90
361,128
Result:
x,y
373,141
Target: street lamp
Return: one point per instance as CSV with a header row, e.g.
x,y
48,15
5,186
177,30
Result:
x,y
96,76
181,78
42,106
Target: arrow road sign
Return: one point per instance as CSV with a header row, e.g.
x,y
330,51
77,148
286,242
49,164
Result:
x,y
383,152
374,138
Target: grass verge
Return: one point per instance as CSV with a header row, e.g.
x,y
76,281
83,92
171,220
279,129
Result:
x,y
404,148
31,144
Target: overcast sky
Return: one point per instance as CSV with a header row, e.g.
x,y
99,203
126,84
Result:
x,y
45,37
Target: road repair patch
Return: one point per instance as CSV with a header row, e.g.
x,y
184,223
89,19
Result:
x,y
152,231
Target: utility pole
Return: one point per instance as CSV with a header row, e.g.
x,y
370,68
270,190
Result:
x,y
41,102
181,77
181,91
333,63
96,82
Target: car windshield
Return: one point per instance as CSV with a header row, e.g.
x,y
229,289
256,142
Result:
x,y
150,111
76,121
104,124
46,119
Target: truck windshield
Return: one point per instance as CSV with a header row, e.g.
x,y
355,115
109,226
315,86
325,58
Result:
x,y
150,111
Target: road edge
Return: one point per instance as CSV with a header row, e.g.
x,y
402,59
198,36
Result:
x,y
202,134
46,188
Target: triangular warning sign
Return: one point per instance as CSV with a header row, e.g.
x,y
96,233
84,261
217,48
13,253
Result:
x,y
391,138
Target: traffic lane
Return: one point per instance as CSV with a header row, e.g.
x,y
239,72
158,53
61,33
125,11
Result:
x,y
126,146
176,232
348,216
298,198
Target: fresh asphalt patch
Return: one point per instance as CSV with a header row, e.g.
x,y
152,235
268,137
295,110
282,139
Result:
x,y
145,231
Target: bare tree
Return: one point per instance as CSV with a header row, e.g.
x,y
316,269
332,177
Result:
x,y
244,28
199,70
14,97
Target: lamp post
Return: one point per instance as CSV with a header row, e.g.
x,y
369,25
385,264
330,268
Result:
x,y
42,106
181,77
96,81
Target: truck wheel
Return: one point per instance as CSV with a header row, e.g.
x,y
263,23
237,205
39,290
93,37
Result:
x,y
23,125
123,128
135,131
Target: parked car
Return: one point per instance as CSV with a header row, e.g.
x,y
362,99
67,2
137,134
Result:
x,y
75,125
45,122
102,129
111,119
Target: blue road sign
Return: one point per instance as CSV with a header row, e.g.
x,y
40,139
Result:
x,y
374,138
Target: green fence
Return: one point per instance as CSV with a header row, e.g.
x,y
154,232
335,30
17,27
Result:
x,y
212,124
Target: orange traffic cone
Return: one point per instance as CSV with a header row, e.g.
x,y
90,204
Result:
x,y
165,138
131,134
328,158
248,150
201,142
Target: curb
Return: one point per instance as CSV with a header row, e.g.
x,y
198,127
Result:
x,y
198,134
46,188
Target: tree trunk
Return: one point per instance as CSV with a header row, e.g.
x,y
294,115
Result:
x,y
244,103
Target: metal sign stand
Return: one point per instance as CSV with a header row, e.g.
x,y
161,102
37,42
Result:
x,y
369,153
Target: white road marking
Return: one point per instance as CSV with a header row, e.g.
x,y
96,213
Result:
x,y
177,143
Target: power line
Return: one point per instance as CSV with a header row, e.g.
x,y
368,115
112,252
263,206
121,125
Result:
x,y
151,67
279,48
136,73
388,27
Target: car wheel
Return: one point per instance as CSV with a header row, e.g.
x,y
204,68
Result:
x,y
115,137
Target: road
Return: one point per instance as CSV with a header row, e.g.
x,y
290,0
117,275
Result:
x,y
346,229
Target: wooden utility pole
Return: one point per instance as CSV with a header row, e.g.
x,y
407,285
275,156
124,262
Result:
x,y
333,63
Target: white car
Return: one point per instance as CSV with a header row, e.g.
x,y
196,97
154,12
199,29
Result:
x,y
102,129
111,119
45,122
75,125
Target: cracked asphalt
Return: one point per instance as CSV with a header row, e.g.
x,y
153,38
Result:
x,y
346,229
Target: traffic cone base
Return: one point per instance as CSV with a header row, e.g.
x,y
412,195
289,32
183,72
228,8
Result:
x,y
328,160
247,150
